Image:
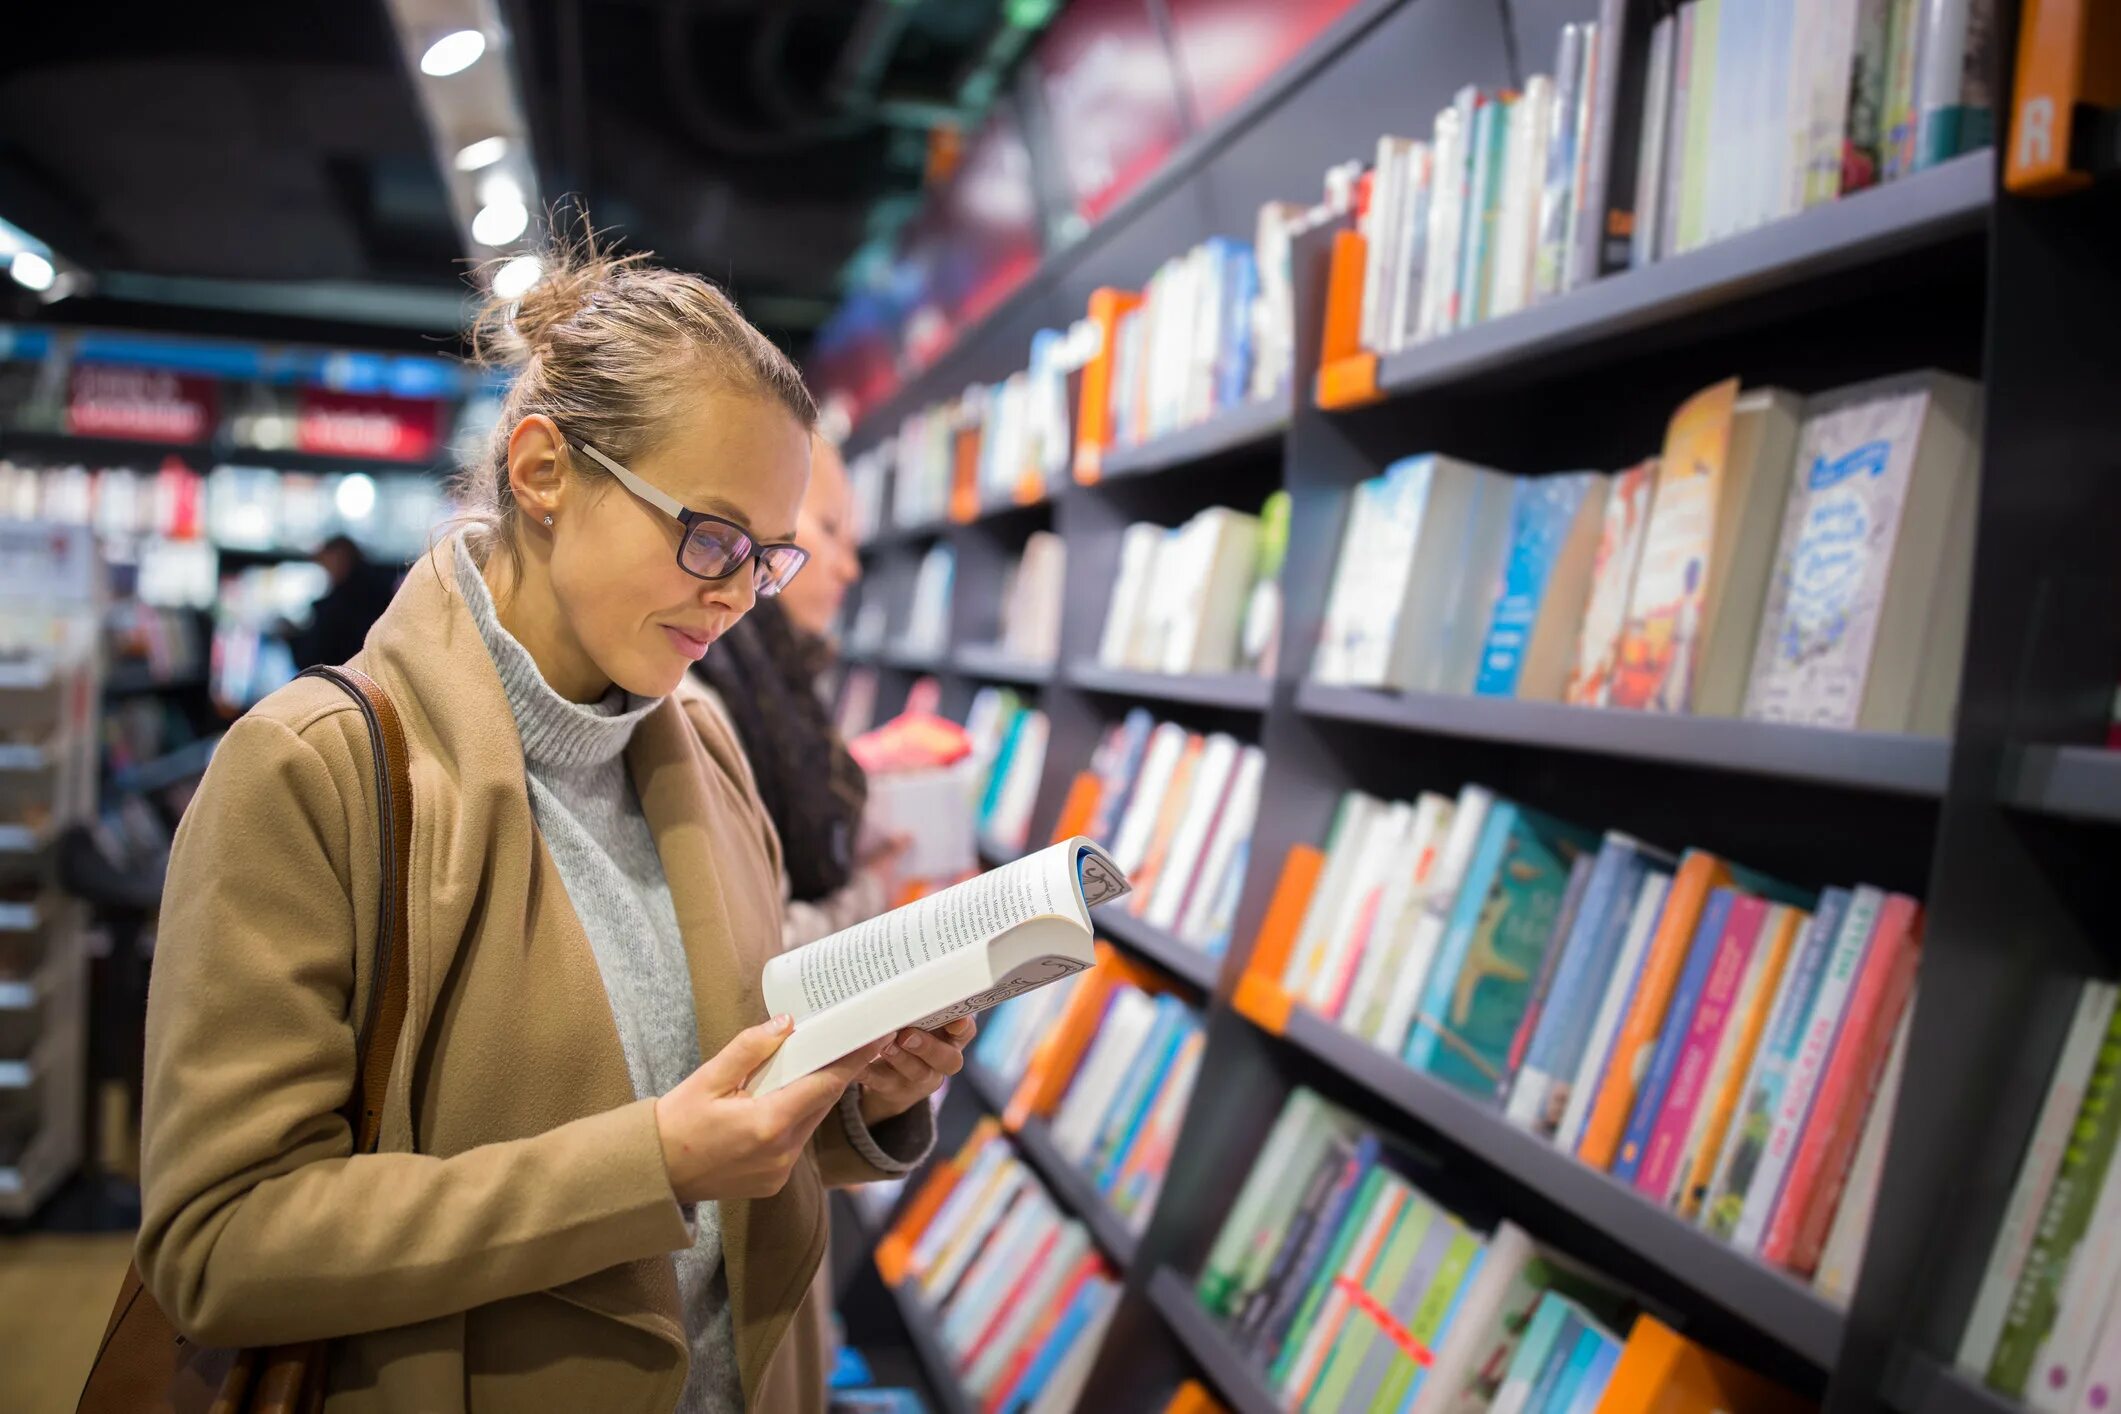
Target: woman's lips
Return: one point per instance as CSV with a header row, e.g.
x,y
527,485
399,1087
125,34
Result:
x,y
688,645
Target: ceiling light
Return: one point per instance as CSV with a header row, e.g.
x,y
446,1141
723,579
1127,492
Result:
x,y
32,271
498,225
500,189
355,496
453,53
483,153
514,279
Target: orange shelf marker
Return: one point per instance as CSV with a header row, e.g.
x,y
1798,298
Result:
x,y
1661,1370
1347,372
2069,64
1259,997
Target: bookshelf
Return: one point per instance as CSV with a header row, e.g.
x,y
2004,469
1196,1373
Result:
x,y
989,663
1180,959
2005,829
1069,1185
950,1396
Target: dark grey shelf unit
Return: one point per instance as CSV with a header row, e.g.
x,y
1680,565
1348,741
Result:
x,y
1248,427
1936,269
1928,1386
1776,1304
988,663
914,660
1179,958
921,1328
1880,761
1066,1182
2077,782
1229,1370
894,537
1234,692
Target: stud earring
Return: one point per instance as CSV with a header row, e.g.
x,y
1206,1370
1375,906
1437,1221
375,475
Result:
x,y
548,520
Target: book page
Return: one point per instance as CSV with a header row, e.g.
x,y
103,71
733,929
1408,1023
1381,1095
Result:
x,y
974,912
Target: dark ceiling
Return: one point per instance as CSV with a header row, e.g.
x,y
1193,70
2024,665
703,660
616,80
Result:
x,y
243,141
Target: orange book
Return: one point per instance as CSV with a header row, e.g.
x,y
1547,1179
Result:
x,y
964,473
895,1251
1787,923
1819,1170
1347,372
1093,418
1662,1372
1699,872
1053,1063
1260,998
2069,53
1193,1398
1080,808
1168,812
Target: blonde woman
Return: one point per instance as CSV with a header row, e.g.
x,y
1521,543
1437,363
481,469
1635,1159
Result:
x,y
577,1206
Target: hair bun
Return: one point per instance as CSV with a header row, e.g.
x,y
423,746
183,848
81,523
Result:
x,y
576,268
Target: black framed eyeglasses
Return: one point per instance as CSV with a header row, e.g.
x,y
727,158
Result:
x,y
713,547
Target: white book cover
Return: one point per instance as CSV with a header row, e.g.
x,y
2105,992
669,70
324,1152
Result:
x,y
1350,613
1557,190
1410,259
1808,36
1385,844
1726,117
2036,1175
1649,160
1876,529
1412,595
1444,648
2102,1375
1481,1308
1209,593
947,955
1612,1004
1749,508
1769,139
1212,778
1115,1048
1011,821
1160,605
1843,965
1447,211
1354,818
1138,548
1131,841
1232,832
1381,237
1841,1259
1469,817
2064,1357
1516,225
1397,911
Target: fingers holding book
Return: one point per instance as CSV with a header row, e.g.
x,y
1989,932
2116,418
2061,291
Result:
x,y
913,1066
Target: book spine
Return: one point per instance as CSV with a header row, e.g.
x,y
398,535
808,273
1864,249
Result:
x,y
1583,955
1712,1015
1399,1211
1940,90
1557,192
1430,1019
1550,964
1735,1066
1336,1170
1841,1259
1798,1229
1331,1242
1656,140
1794,1107
1576,1104
2087,1291
1599,139
1672,1037
1219,1274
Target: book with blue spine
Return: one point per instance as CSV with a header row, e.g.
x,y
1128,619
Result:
x,y
1671,1039
1304,1247
1093,1300
1123,1120
1560,1352
1542,1342
1501,927
1491,135
1323,1245
1532,627
1595,1379
1589,1341
1234,360
1540,1091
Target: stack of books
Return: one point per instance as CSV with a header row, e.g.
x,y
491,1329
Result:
x,y
1791,560
2046,1325
1354,1289
1188,599
1019,1293
1179,807
1648,141
1724,1043
1009,749
1182,352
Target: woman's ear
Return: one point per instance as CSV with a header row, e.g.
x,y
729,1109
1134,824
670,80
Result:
x,y
536,475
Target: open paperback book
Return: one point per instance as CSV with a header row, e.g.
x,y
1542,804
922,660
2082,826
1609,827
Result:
x,y
1008,931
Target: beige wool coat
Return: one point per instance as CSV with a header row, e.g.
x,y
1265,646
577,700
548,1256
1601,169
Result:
x,y
510,1248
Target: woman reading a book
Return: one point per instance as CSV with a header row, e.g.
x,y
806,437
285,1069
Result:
x,y
575,1203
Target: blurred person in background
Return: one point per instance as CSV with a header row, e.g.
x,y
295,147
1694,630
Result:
x,y
342,615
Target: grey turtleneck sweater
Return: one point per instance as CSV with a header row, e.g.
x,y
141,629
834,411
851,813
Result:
x,y
589,816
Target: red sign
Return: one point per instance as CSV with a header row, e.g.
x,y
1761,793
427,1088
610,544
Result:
x,y
1228,48
138,404
1112,96
358,425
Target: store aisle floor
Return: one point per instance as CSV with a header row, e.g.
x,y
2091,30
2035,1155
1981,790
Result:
x,y
55,1291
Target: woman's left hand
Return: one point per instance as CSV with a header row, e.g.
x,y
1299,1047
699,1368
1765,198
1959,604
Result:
x,y
912,1068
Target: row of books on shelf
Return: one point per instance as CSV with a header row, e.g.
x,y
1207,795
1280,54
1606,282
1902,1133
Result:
x,y
1019,1295
235,507
1787,559
2046,1323
1351,1288
1114,1060
1009,745
1028,630
1182,350
1727,1045
1653,139
1201,597
1179,807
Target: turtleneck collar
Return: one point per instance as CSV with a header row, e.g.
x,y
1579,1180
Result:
x,y
555,732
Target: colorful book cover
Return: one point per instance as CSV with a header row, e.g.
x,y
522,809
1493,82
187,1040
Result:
x,y
1360,1328
1500,930
1491,130
1557,195
1437,1313
1627,511
1575,1095
1543,509
1870,72
1400,1216
1692,206
1543,1340
1672,1035
1898,147
1655,668
1410,1315
1583,1352
1564,924
1326,1249
1746,1143
1732,956
1591,1393
1139,1094
1335,1171
1813,654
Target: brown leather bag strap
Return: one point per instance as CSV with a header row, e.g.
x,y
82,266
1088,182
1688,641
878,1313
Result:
x,y
391,975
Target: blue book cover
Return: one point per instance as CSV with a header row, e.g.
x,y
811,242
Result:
x,y
1592,952
1542,511
1125,769
999,772
1542,1335
1138,1095
1671,1041
1443,1331
1317,1246
1563,1395
1235,363
1501,927
1595,1378
1561,1350
1089,1304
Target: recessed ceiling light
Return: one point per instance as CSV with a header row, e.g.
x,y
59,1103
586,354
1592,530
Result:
x,y
355,496
32,271
453,53
483,153
500,224
514,279
500,189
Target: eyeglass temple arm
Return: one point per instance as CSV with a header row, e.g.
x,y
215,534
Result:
x,y
668,505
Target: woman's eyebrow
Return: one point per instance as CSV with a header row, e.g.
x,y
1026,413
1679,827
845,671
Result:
x,y
729,510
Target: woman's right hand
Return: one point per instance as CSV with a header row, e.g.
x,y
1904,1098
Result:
x,y
719,1142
